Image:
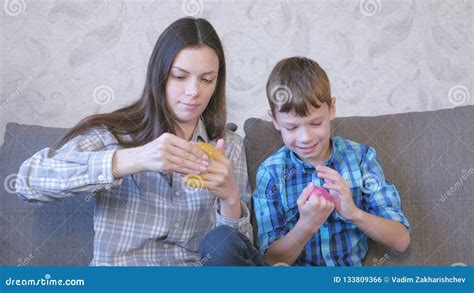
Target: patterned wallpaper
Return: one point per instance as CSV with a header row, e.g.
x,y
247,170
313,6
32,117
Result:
x,y
64,60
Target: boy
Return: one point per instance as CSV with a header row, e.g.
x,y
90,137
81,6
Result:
x,y
298,229
295,228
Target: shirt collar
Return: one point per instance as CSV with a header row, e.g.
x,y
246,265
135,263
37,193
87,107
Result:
x,y
298,161
200,133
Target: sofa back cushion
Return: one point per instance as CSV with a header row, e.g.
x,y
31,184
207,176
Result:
x,y
429,156
59,233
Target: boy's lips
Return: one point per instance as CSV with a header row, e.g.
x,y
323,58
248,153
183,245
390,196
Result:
x,y
307,149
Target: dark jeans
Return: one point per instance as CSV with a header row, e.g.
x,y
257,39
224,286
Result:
x,y
225,246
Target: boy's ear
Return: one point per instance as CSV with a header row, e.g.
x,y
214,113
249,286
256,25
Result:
x,y
275,122
332,111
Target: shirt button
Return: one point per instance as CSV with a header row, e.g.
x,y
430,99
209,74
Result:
x,y
101,178
166,245
176,225
177,193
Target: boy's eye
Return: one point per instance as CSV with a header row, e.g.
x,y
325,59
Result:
x,y
290,128
315,124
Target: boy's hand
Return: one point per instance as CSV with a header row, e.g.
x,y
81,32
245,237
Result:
x,y
338,188
313,211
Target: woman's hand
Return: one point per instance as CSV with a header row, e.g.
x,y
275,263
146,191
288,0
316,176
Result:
x,y
166,153
171,153
220,179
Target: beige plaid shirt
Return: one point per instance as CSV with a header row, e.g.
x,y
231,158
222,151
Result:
x,y
140,219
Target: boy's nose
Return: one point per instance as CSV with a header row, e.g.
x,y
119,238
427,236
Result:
x,y
305,136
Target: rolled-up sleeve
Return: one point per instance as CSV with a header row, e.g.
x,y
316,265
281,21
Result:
x,y
269,211
83,164
236,154
381,197
242,224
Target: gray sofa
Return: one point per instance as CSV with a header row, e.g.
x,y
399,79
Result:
x,y
429,156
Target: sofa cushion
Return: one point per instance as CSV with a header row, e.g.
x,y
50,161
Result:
x,y
429,156
59,233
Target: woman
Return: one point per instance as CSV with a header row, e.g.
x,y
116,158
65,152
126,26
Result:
x,y
134,160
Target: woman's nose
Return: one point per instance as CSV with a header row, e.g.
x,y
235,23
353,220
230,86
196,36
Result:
x,y
192,88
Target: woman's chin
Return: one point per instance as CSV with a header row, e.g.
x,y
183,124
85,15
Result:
x,y
186,119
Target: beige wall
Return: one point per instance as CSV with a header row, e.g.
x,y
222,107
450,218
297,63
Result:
x,y
61,61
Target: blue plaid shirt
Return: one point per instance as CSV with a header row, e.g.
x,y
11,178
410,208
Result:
x,y
283,176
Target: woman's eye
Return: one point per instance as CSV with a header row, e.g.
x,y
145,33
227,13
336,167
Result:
x,y
291,128
207,81
316,124
178,77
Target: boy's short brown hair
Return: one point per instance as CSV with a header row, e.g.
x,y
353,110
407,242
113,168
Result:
x,y
296,82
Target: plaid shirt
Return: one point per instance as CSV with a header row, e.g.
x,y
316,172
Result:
x,y
283,176
140,219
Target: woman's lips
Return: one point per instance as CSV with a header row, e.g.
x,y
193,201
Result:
x,y
190,106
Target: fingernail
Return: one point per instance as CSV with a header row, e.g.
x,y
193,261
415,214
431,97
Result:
x,y
205,157
205,163
203,168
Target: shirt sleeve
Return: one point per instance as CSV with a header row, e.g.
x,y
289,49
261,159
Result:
x,y
242,224
236,155
269,211
381,197
83,164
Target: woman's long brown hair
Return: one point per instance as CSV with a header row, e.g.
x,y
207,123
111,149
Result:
x,y
149,117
